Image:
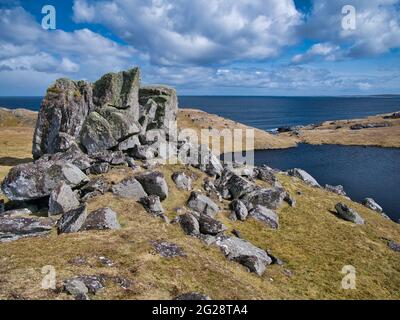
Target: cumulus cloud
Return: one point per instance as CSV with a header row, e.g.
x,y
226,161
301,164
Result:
x,y
319,51
197,32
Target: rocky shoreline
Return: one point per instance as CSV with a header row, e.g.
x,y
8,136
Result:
x,y
87,135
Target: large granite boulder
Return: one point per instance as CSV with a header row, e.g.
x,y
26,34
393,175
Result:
x,y
305,176
233,186
14,228
64,110
266,216
348,214
239,210
72,221
153,205
211,226
202,204
182,180
371,204
336,189
62,199
154,184
101,219
189,224
245,253
270,198
38,179
129,188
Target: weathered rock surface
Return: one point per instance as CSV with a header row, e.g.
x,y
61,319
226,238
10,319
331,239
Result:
x,y
152,204
232,186
245,253
76,288
129,188
266,216
168,249
336,189
239,209
189,224
192,296
62,199
154,184
93,188
72,221
394,246
211,226
99,168
202,204
101,219
265,173
303,175
63,110
182,180
270,198
38,179
371,204
348,214
14,228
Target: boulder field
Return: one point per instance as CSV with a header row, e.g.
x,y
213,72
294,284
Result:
x,y
86,130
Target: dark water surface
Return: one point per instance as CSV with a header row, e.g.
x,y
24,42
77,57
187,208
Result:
x,y
363,171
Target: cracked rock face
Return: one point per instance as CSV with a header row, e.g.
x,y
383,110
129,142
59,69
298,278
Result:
x,y
202,204
348,214
101,219
72,221
62,199
154,184
14,228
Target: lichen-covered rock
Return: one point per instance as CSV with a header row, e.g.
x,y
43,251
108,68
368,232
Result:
x,y
270,198
129,188
266,216
63,110
99,168
371,204
182,180
336,189
152,204
233,186
305,176
245,253
62,199
159,108
189,224
348,214
143,152
265,173
36,180
102,219
95,187
129,143
72,221
211,226
14,228
239,210
76,288
167,249
154,184
202,204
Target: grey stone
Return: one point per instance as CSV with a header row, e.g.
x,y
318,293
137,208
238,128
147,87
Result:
x,y
232,186
14,228
72,221
336,189
192,296
270,198
348,214
394,246
167,249
266,216
129,143
64,110
99,168
211,226
97,185
152,204
304,176
76,288
189,224
129,188
239,209
245,253
101,219
62,199
93,283
265,173
36,180
371,204
182,181
143,152
154,184
202,204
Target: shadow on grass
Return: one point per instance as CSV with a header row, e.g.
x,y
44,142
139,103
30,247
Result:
x,y
11,161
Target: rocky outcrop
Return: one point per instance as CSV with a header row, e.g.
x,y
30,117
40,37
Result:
x,y
101,219
154,184
346,213
189,224
129,188
210,226
14,228
232,186
245,253
360,126
305,176
336,189
270,198
182,181
153,205
36,180
72,221
62,199
371,204
266,216
239,210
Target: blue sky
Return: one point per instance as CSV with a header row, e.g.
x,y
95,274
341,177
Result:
x,y
213,47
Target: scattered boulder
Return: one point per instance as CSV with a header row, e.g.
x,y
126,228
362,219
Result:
x,y
266,174
129,143
192,296
36,180
266,216
62,199
336,189
211,226
239,209
270,198
189,224
72,221
154,184
305,176
182,181
211,190
143,152
359,126
394,246
101,219
99,168
348,214
152,204
14,228
232,186
371,204
129,188
245,253
202,204
93,188
93,283
167,249
76,288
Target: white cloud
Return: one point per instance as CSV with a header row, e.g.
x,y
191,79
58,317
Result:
x,y
323,51
197,32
